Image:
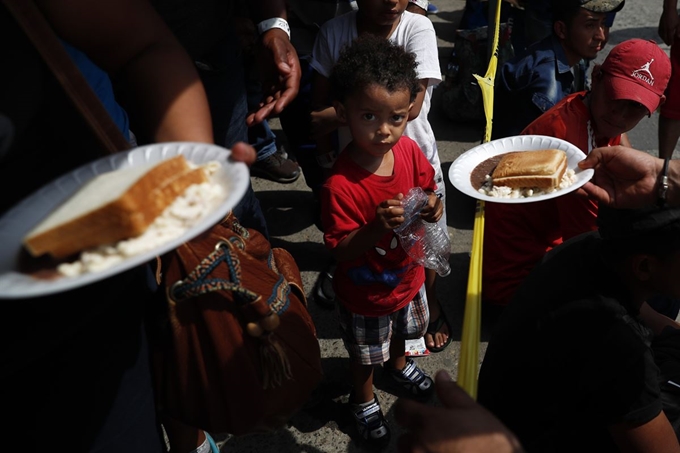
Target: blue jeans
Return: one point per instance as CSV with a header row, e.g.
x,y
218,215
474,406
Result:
x,y
260,135
263,140
225,85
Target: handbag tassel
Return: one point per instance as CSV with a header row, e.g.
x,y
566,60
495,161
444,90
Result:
x,y
275,364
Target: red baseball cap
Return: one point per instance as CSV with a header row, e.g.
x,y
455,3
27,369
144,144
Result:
x,y
637,70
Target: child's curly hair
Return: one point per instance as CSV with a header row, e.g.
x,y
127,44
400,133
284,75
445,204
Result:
x,y
374,60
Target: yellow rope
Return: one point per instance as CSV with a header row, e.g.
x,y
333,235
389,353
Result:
x,y
468,363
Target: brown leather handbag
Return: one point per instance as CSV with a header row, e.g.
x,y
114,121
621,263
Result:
x,y
242,354
238,351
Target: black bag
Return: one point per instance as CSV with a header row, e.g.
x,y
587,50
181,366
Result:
x,y
462,97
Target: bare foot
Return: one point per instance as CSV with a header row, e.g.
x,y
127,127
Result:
x,y
441,335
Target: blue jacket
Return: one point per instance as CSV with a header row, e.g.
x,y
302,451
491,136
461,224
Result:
x,y
529,85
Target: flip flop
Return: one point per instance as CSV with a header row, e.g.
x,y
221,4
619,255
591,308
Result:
x,y
434,326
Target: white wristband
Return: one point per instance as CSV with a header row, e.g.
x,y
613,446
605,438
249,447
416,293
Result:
x,y
274,22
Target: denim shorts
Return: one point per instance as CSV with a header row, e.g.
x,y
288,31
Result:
x,y
367,338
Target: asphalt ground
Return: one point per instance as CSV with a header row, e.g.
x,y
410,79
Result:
x,y
324,424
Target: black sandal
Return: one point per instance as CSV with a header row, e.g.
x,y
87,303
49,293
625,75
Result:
x,y
434,326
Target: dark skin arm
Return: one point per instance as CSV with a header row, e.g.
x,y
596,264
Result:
x,y
277,61
668,22
130,41
389,214
433,210
627,178
655,436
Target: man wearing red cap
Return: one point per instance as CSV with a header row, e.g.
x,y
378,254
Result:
x,y
629,85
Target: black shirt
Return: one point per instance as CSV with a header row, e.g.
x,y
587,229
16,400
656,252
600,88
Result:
x,y
568,358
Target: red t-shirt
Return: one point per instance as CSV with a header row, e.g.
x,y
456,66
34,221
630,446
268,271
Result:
x,y
385,278
516,236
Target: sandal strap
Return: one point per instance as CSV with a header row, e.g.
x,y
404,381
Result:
x,y
364,413
371,420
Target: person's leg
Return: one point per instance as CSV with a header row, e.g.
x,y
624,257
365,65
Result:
x,y
296,122
402,373
271,163
397,354
669,114
362,382
669,133
437,336
367,342
438,333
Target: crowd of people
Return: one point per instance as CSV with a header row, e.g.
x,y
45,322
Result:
x,y
585,355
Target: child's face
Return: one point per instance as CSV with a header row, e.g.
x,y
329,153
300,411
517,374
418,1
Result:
x,y
382,12
376,118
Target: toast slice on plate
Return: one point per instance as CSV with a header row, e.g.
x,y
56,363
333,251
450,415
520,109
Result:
x,y
112,206
526,169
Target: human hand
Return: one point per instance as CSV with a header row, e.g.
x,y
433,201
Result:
x,y
243,152
624,177
460,426
280,70
668,25
322,122
433,210
390,213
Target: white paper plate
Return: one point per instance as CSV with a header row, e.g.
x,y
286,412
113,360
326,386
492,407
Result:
x,y
460,170
233,177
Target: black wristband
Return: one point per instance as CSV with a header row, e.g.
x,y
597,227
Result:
x,y
663,184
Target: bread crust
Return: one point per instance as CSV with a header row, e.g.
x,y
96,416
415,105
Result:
x,y
126,216
526,169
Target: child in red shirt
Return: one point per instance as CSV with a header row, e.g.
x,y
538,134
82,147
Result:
x,y
379,287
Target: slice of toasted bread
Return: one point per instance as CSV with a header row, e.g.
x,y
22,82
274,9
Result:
x,y
522,169
112,206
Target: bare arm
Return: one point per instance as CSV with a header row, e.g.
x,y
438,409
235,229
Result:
x,y
389,215
277,61
627,178
418,103
130,41
433,210
323,119
668,22
655,436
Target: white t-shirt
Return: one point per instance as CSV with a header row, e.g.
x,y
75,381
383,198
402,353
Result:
x,y
416,33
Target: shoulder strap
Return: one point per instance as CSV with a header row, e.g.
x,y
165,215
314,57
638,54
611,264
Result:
x,y
38,30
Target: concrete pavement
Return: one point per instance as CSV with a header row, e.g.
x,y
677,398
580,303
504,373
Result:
x,y
324,426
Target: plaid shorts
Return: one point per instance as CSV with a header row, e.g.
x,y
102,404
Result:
x,y
367,339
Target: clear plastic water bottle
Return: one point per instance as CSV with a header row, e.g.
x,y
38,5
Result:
x,y
425,242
